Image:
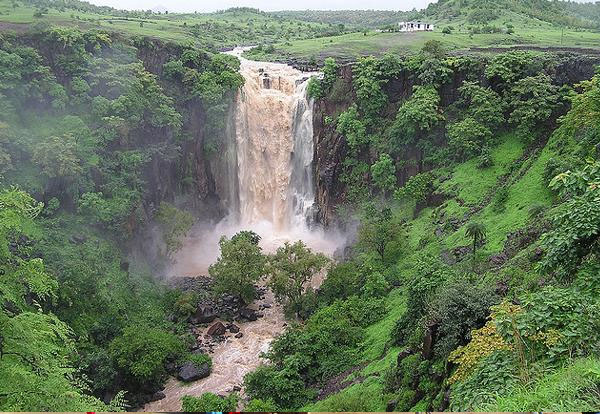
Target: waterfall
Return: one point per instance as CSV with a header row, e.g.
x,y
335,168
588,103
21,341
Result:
x,y
302,180
265,171
274,144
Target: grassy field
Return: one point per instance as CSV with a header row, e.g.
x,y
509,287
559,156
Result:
x,y
361,44
300,39
216,30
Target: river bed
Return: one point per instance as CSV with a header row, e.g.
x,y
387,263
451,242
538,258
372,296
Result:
x,y
232,359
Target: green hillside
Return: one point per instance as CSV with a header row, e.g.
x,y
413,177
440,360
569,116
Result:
x,y
241,26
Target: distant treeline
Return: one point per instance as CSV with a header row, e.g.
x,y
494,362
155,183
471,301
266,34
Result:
x,y
351,18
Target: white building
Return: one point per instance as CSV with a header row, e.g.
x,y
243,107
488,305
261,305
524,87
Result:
x,y
415,26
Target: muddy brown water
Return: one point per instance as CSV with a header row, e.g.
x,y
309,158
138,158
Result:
x,y
232,359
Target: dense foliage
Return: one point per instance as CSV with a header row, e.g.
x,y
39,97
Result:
x,y
93,134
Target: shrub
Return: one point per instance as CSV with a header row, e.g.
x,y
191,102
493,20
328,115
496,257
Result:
x,y
376,286
282,386
142,352
208,402
417,188
260,406
466,138
343,280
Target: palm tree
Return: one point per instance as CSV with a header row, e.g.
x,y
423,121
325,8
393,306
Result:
x,y
476,231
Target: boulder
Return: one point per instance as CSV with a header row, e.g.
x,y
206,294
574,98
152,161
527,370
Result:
x,y
239,335
203,314
217,329
157,396
190,372
249,314
233,328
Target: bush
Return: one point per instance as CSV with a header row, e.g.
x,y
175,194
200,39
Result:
x,y
499,201
376,286
466,138
458,308
260,406
342,281
282,386
208,402
142,352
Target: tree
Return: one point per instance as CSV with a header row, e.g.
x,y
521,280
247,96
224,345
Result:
x,y
175,224
384,173
532,101
36,348
57,156
239,267
367,81
416,116
482,104
576,222
352,128
290,269
476,231
142,352
378,230
467,138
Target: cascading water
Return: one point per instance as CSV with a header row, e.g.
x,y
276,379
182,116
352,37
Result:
x,y
266,168
274,138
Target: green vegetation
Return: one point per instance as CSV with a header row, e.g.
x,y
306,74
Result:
x,y
516,320
209,402
470,183
290,269
89,131
239,267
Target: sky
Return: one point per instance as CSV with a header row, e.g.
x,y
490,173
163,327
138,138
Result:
x,y
266,5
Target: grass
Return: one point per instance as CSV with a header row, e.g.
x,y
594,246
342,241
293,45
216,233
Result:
x,y
368,395
296,38
529,190
354,45
473,183
572,388
206,30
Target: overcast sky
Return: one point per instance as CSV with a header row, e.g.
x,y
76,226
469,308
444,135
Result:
x,y
267,5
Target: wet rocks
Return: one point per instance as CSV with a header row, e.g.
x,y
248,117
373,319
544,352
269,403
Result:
x,y
157,396
191,372
204,314
217,329
249,314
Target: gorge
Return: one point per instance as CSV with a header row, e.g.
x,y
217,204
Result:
x,y
269,163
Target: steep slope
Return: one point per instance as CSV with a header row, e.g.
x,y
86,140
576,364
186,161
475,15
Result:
x,y
456,292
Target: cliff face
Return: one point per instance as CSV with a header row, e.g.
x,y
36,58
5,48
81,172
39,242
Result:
x,y
331,147
197,177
